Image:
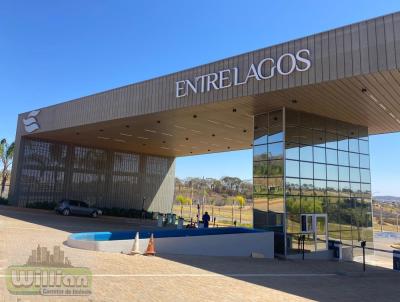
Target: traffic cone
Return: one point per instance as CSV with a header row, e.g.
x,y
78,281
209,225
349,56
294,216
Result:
x,y
151,250
135,249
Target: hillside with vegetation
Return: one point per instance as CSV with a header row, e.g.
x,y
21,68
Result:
x,y
228,200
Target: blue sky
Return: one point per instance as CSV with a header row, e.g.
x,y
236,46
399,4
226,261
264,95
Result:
x,y
53,51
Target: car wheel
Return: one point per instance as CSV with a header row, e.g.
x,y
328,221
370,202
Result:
x,y
94,214
66,212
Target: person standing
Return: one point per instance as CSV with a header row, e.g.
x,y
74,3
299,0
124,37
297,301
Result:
x,y
206,219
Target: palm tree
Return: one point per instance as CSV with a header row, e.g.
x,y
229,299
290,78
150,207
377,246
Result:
x,y
6,156
181,200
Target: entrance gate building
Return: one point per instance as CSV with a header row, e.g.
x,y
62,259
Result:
x,y
306,108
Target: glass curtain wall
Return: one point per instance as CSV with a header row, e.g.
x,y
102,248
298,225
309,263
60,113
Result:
x,y
326,173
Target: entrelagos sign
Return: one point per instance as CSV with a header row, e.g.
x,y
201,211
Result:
x,y
263,70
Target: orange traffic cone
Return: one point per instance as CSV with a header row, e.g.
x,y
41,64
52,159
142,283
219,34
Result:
x,y
151,250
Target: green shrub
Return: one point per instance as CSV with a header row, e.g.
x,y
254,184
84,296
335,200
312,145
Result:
x,y
131,213
42,205
3,201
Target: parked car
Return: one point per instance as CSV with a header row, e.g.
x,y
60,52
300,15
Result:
x,y
75,207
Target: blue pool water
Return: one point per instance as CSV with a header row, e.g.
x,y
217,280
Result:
x,y
388,235
104,236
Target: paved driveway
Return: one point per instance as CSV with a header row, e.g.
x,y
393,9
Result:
x,y
118,277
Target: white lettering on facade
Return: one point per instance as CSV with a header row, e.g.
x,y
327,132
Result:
x,y
265,69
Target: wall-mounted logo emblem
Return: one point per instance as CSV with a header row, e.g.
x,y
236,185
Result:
x,y
31,124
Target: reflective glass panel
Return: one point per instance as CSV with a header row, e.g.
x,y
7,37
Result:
x,y
364,161
343,158
365,176
331,141
355,174
353,145
331,156
364,148
319,171
293,204
260,168
355,189
306,153
354,159
275,185
306,170
260,129
343,143
307,186
319,155
307,204
292,134
275,135
319,138
344,174
332,172
260,185
275,151
319,187
292,168
260,152
275,168
292,186
292,151
306,136
332,188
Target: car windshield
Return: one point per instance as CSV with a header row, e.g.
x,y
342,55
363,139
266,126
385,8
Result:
x,y
83,204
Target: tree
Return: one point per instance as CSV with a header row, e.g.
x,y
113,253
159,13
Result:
x,y
189,201
181,200
6,156
241,201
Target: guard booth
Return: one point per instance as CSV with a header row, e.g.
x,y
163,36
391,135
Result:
x,y
315,228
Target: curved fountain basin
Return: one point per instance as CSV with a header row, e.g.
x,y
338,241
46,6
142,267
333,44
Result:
x,y
211,241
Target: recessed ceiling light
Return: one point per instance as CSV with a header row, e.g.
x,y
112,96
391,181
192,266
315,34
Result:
x,y
213,134
119,140
127,126
244,130
209,150
125,134
229,147
214,122
143,144
191,152
77,133
194,116
294,101
166,134
164,142
187,138
101,130
158,122
364,90
234,110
